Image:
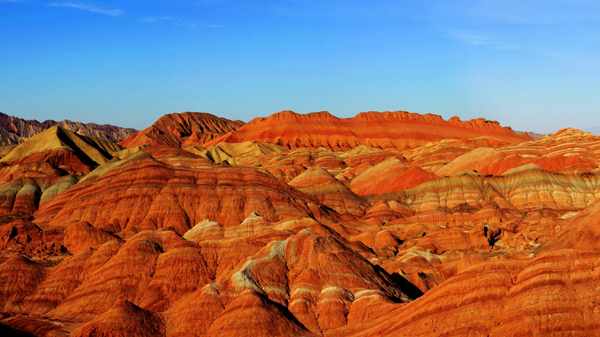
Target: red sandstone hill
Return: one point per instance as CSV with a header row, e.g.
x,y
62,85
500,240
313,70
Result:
x,y
397,129
183,130
568,149
452,229
14,130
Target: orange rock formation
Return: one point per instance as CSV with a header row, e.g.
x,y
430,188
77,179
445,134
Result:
x,y
397,129
385,224
183,130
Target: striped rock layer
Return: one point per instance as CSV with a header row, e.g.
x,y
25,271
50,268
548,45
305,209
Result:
x,y
385,224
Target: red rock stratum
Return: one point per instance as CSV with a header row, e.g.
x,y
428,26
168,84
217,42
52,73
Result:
x,y
183,130
397,129
385,224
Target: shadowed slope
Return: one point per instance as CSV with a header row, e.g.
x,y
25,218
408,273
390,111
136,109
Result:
x,y
14,130
56,142
551,295
236,153
47,164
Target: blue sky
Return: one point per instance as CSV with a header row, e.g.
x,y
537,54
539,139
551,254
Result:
x,y
533,65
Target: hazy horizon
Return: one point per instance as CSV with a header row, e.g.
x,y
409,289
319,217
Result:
x,y
531,65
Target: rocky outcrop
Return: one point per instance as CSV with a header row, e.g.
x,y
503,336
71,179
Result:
x,y
18,277
568,149
142,193
516,298
49,163
319,183
235,153
399,129
124,319
183,130
14,130
467,232
63,148
388,176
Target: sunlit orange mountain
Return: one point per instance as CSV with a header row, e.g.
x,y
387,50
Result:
x,y
384,130
385,224
185,129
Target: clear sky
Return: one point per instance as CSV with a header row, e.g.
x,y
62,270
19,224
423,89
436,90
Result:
x,y
533,65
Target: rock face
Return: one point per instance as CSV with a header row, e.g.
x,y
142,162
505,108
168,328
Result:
x,y
235,153
388,176
397,129
183,130
47,164
313,226
60,146
568,149
14,130
124,319
141,193
514,298
319,183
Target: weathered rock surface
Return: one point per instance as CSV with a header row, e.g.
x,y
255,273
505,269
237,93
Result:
x,y
568,149
319,183
438,228
14,130
18,277
124,319
142,193
63,148
49,163
235,153
387,176
183,130
523,297
397,129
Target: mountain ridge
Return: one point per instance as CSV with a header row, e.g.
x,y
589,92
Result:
x,y
183,130
15,130
398,129
382,224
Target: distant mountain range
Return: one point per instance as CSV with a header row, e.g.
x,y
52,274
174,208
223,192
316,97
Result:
x,y
595,130
533,135
14,130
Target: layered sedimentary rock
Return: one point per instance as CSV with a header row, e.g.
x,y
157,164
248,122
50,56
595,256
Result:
x,y
18,277
183,130
49,163
474,232
124,319
381,130
523,297
63,148
14,130
143,193
319,183
277,283
526,189
582,232
434,155
568,149
235,153
388,176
